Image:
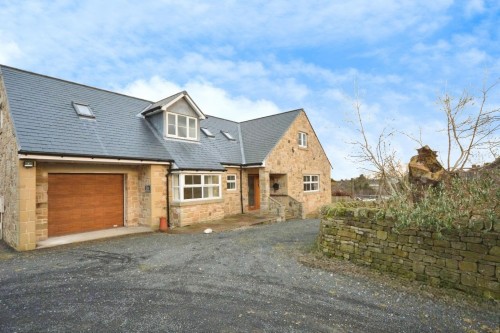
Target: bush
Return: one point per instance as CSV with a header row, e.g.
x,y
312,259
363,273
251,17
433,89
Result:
x,y
458,203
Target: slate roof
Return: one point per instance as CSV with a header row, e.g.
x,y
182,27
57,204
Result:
x,y
45,122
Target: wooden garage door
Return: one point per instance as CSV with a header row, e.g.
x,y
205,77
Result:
x,y
84,202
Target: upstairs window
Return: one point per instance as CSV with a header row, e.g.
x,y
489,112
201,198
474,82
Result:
x,y
302,140
311,183
231,182
83,110
183,127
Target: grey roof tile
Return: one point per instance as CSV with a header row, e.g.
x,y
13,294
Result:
x,y
261,135
46,122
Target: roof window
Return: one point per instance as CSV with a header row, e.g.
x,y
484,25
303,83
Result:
x,y
228,136
207,132
83,110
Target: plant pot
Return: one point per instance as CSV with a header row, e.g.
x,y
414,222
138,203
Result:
x,y
163,224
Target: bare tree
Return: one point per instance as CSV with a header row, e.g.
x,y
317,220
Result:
x,y
471,126
380,156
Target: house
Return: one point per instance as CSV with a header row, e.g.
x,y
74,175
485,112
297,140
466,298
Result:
x,y
76,158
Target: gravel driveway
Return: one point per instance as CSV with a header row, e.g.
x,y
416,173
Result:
x,y
239,281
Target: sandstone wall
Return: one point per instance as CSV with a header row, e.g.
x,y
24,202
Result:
x,y
468,261
9,176
288,158
232,200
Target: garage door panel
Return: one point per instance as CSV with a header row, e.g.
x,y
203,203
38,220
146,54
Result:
x,y
84,202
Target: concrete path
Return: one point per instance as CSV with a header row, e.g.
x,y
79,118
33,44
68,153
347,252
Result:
x,y
246,280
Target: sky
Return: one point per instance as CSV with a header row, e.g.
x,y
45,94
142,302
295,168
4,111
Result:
x,y
246,59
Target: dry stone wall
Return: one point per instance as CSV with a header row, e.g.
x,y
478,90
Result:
x,y
466,260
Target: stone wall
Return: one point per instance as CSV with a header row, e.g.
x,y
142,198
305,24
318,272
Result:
x,y
8,174
288,158
232,199
186,213
466,260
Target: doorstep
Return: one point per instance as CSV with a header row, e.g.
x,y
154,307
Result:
x,y
91,235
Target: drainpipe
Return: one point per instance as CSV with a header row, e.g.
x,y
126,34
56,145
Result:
x,y
168,195
241,188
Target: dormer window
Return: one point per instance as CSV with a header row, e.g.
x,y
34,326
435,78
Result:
x,y
182,127
83,110
207,132
228,136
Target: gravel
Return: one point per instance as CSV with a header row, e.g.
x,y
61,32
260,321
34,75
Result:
x,y
248,280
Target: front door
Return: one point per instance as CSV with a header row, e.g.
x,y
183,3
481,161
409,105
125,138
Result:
x,y
253,192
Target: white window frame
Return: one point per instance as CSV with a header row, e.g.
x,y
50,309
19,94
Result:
x,y
302,140
311,182
179,184
232,182
1,119
176,135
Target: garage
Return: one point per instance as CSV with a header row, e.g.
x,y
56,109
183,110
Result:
x,y
84,202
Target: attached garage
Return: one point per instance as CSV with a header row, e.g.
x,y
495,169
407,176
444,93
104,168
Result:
x,y
84,202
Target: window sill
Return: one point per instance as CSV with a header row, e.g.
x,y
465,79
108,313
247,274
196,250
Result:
x,y
311,192
196,202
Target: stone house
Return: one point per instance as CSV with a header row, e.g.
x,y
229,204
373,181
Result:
x,y
76,158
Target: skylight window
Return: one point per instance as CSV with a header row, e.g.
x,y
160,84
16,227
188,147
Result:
x,y
83,110
207,132
229,136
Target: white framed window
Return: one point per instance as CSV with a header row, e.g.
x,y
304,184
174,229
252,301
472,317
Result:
x,y
188,187
180,126
311,183
302,139
1,119
231,182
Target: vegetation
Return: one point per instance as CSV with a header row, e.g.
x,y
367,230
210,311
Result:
x,y
465,199
461,202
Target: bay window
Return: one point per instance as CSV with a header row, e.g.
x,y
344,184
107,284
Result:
x,y
196,187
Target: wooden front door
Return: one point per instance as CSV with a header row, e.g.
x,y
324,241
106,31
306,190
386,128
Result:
x,y
253,192
84,202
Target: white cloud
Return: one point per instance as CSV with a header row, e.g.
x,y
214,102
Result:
x,y
211,99
9,50
473,7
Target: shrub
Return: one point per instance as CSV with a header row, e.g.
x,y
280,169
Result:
x,y
458,203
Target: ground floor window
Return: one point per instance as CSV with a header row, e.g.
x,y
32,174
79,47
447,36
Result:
x,y
231,182
311,183
196,186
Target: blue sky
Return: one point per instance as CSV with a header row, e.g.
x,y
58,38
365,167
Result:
x,y
245,59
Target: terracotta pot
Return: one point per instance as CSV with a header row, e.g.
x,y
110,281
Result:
x,y
163,224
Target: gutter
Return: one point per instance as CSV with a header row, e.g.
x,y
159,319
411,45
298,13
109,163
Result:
x,y
100,158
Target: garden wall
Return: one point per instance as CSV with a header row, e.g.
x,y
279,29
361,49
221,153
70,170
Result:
x,y
465,260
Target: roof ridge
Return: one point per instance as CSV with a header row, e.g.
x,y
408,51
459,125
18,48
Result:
x,y
72,82
210,116
245,121
273,115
